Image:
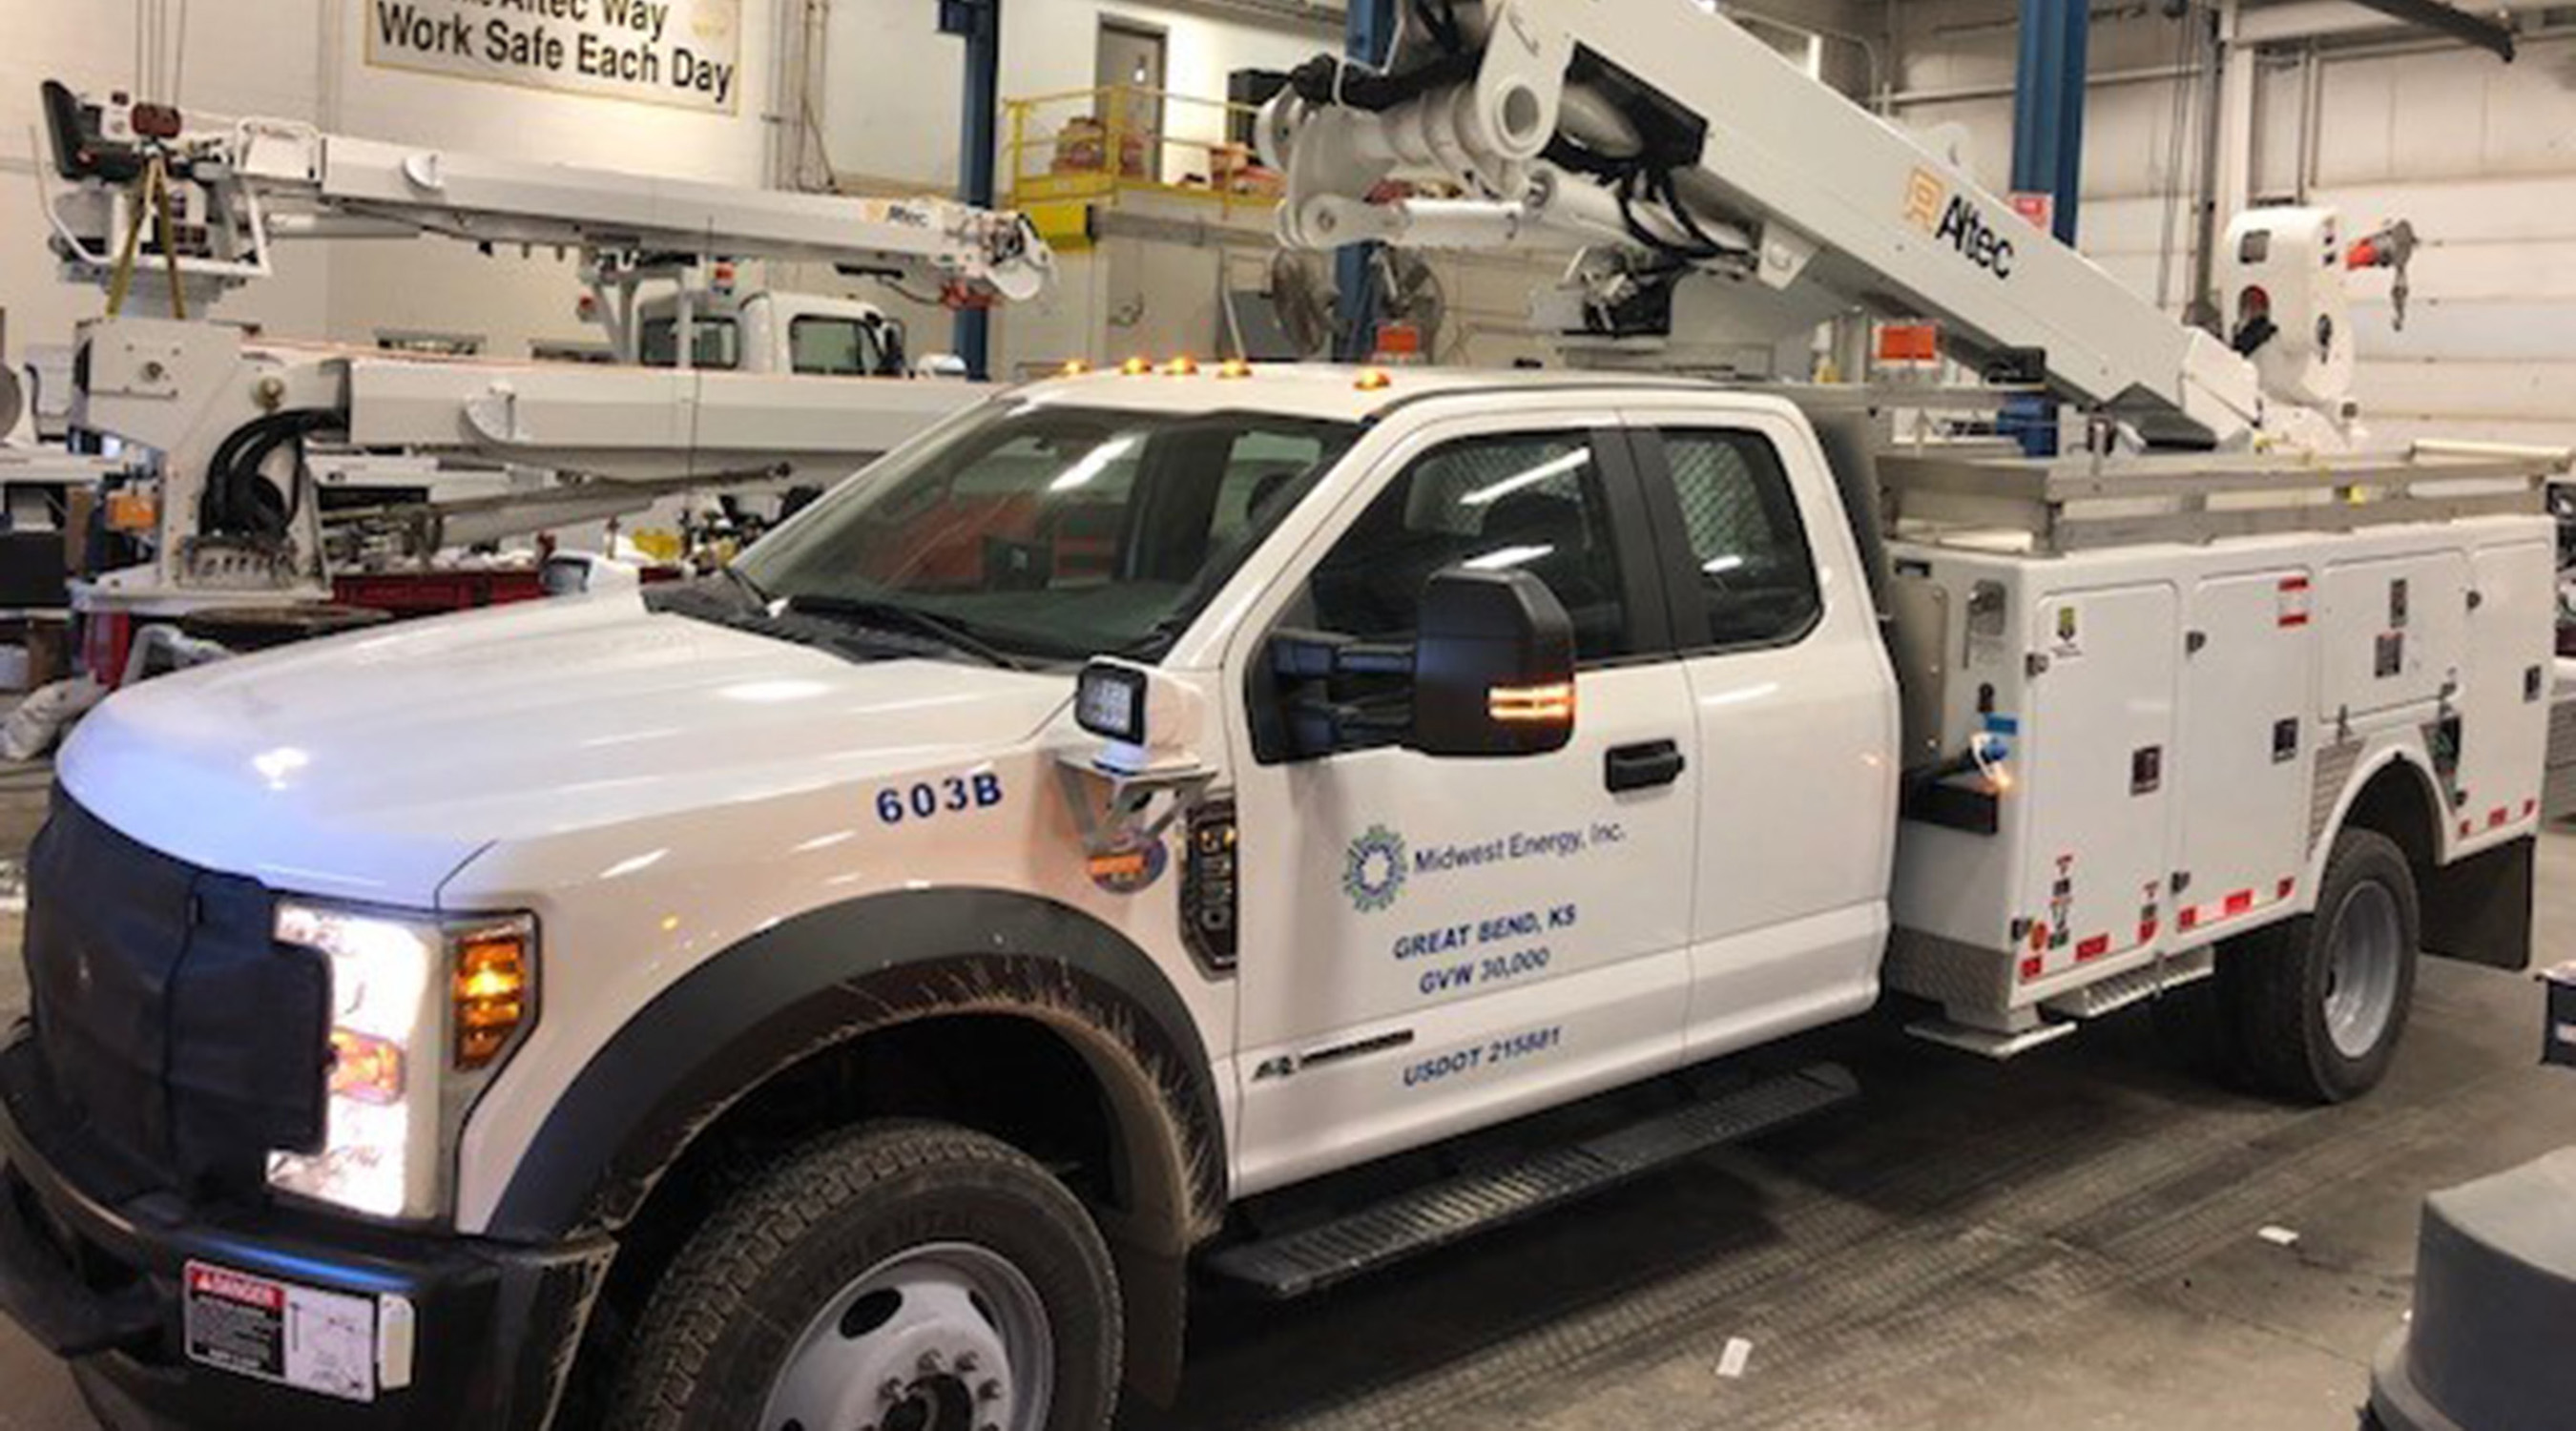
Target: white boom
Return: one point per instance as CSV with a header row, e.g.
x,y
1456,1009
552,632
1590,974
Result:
x,y
167,220
237,189
1672,144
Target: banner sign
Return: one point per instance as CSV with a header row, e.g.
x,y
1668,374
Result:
x,y
678,52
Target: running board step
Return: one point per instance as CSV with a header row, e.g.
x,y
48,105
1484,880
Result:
x,y
1437,1214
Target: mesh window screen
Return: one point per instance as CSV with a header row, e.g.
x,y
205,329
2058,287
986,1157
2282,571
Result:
x,y
1756,577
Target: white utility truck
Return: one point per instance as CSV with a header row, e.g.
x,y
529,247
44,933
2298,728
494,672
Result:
x,y
861,989
214,424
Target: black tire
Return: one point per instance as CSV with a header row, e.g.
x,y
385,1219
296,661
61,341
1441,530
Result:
x,y
731,1308
2276,982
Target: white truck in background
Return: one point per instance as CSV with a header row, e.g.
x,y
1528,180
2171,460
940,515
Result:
x,y
865,987
214,426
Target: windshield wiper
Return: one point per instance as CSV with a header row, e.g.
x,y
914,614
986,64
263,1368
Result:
x,y
749,587
870,612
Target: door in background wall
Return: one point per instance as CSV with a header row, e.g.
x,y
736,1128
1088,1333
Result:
x,y
1130,78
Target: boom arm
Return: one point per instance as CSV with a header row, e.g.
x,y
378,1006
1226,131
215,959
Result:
x,y
1670,142
237,190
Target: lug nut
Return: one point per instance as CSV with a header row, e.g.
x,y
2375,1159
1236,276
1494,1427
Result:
x,y
967,1364
891,1392
989,1391
930,1363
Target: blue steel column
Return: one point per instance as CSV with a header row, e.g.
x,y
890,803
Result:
x,y
2048,157
1369,31
2048,105
979,22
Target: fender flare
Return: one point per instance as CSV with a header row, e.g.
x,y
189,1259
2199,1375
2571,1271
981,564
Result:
x,y
2406,754
821,978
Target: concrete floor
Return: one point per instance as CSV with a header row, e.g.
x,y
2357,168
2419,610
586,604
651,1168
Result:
x,y
2068,1243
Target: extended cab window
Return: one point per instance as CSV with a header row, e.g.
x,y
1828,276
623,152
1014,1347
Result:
x,y
713,342
1527,502
1748,551
831,347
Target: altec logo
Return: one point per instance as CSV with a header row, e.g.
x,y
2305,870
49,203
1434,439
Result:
x,y
1950,218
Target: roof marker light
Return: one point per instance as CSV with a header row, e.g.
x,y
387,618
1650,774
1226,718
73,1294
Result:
x,y
1374,379
1073,368
1183,366
1136,367
1234,368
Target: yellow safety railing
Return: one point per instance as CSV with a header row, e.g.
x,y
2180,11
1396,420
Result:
x,y
1064,152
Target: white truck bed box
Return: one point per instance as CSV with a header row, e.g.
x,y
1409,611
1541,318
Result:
x,y
2182,723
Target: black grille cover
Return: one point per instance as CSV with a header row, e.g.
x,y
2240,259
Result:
x,y
174,1029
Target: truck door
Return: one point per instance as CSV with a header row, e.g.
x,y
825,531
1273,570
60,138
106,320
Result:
x,y
1795,709
1429,945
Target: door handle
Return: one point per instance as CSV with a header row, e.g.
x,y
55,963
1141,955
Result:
x,y
1637,767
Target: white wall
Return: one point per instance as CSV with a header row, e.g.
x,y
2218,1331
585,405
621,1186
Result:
x,y
2479,154
891,100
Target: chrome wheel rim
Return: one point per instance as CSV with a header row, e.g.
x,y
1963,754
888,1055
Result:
x,y
944,1337
2365,954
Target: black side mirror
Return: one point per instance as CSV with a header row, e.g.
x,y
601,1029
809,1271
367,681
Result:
x,y
1490,672
1493,666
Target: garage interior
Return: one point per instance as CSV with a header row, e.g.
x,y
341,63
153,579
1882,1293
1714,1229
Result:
x,y
2090,1235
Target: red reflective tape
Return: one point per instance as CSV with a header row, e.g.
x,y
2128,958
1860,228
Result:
x,y
2241,901
2498,816
2146,930
2093,948
2528,806
2032,968
2294,583
2294,618
2287,884
2190,918
2467,829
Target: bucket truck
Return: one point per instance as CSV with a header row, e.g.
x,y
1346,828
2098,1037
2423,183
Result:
x,y
214,423
1258,823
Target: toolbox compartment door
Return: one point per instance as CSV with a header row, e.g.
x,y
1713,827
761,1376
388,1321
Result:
x,y
2246,751
2504,700
2395,632
2100,776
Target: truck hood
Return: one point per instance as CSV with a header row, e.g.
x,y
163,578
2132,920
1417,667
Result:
x,y
372,766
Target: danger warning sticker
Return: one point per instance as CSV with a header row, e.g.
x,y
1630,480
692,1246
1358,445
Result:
x,y
296,1336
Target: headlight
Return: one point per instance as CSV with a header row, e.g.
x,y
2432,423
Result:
x,y
423,1012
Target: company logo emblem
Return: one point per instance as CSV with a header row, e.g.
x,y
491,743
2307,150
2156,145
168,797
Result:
x,y
1950,218
1373,870
1925,197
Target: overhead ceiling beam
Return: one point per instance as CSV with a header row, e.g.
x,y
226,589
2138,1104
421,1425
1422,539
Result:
x,y
2478,30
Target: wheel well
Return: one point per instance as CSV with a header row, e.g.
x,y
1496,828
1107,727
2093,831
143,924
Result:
x,y
1014,1077
2397,802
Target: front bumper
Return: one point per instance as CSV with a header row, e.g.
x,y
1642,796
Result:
x,y
97,1279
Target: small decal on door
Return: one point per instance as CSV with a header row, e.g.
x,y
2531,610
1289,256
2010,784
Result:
x,y
1373,869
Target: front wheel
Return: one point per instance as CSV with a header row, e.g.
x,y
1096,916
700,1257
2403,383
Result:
x,y
904,1277
2318,1003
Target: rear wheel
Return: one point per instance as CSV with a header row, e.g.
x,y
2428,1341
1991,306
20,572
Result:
x,y
903,1277
2318,1004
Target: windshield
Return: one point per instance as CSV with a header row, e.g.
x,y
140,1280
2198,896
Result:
x,y
1052,533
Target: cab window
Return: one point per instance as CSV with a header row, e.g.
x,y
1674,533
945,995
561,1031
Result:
x,y
713,342
831,347
1748,550
1532,503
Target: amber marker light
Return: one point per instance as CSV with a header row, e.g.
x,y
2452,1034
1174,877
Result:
x,y
495,971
